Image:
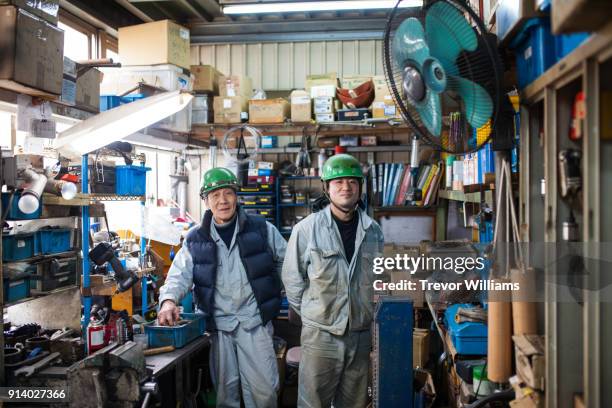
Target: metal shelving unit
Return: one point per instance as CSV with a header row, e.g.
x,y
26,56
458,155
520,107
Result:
x,y
584,328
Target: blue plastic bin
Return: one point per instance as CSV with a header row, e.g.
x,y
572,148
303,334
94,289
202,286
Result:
x,y
18,246
109,102
469,338
535,50
566,43
132,98
14,212
16,289
177,336
54,240
131,180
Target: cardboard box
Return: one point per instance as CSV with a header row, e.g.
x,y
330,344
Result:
x,y
88,90
318,91
48,10
368,141
235,85
420,347
32,53
385,109
349,141
353,114
268,110
530,360
118,81
266,165
158,42
353,81
301,106
569,16
533,400
324,117
228,109
206,79
330,78
269,142
324,104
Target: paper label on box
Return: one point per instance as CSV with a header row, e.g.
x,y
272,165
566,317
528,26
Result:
x,y
184,34
20,243
227,104
527,53
300,100
388,98
378,105
389,110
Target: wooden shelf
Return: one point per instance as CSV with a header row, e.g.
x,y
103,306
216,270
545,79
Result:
x,y
202,132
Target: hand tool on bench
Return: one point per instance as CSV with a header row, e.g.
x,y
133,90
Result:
x,y
158,350
34,368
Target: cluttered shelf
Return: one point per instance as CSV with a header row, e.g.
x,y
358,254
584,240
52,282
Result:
x,y
475,197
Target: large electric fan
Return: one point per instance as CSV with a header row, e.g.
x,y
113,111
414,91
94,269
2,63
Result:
x,y
444,73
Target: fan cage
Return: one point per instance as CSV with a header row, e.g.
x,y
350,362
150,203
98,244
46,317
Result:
x,y
482,66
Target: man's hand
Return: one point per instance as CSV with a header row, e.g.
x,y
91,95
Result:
x,y
168,314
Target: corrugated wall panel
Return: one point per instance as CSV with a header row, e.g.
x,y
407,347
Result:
x,y
284,66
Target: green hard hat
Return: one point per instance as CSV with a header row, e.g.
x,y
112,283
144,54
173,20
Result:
x,y
341,165
216,178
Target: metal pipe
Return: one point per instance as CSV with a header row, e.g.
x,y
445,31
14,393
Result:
x,y
85,244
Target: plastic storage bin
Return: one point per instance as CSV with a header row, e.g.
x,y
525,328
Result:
x,y
109,102
54,240
14,213
177,336
18,246
17,281
16,289
53,274
469,338
566,43
535,50
131,180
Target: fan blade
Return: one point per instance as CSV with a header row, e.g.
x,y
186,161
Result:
x,y
448,33
409,43
478,103
431,113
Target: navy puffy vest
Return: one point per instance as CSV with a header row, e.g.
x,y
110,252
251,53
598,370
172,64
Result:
x,y
256,256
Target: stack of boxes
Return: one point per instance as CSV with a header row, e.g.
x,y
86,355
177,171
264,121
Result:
x,y
383,105
205,87
231,106
322,90
155,57
32,47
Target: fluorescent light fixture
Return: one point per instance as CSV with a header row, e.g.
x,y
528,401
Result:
x,y
318,6
117,124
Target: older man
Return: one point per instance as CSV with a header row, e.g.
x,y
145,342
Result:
x,y
233,261
328,280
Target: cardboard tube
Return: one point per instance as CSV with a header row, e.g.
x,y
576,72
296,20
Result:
x,y
499,353
524,313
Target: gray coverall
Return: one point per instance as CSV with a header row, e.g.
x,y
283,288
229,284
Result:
x,y
242,351
334,297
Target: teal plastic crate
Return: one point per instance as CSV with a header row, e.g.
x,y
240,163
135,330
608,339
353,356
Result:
x,y
177,336
54,240
14,213
16,289
18,246
131,180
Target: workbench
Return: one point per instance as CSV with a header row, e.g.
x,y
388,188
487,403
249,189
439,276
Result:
x,y
179,362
